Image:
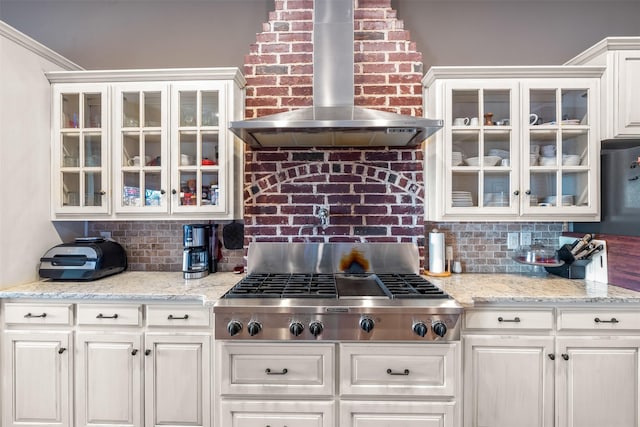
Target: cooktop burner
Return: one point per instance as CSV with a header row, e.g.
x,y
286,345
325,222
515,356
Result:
x,y
342,286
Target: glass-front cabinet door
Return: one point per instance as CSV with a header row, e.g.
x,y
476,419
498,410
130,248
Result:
x,y
80,149
141,154
200,147
483,152
561,159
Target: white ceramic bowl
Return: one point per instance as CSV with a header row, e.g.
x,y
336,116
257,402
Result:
x,y
487,161
570,159
547,161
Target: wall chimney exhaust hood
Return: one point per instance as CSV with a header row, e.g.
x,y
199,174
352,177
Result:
x,y
334,121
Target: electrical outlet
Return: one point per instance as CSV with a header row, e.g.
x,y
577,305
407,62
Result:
x,y
512,241
525,239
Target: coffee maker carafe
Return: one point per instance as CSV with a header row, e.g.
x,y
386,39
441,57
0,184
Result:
x,y
196,257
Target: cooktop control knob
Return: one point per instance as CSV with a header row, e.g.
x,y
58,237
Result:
x,y
234,327
296,328
367,324
254,328
439,328
315,328
419,328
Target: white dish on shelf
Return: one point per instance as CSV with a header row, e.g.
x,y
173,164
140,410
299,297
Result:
x,y
503,154
547,161
486,161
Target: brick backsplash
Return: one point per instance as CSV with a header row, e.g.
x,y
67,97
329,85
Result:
x,y
481,247
157,245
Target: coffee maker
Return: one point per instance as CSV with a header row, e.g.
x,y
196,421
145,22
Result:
x,y
196,257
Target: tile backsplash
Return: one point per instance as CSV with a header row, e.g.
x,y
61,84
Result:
x,y
481,247
157,245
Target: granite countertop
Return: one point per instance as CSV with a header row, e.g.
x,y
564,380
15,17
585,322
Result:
x,y
467,289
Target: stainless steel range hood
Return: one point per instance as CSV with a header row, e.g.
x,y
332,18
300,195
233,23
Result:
x,y
334,121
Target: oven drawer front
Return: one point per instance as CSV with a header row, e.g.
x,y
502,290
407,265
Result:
x,y
400,370
302,370
509,320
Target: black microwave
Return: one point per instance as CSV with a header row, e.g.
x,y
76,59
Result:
x,y
619,190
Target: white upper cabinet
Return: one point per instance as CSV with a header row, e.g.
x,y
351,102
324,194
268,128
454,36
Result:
x,y
150,144
518,144
620,84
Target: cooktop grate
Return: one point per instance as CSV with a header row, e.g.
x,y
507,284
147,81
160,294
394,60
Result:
x,y
323,285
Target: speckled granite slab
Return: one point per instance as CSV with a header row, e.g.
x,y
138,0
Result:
x,y
137,285
467,289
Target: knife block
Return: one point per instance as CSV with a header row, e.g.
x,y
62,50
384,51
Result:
x,y
572,268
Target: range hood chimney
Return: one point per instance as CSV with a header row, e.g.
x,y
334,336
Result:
x,y
334,120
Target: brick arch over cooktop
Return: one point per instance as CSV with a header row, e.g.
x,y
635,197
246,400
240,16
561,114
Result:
x,y
388,71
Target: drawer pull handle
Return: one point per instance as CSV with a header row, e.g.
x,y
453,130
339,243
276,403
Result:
x,y
613,320
552,356
405,372
102,316
514,320
134,351
30,316
565,356
270,372
172,317
61,350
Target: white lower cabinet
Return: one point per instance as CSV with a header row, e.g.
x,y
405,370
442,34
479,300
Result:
x,y
581,371
129,370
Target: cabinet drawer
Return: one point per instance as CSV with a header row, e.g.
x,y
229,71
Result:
x,y
178,316
245,413
277,369
38,314
600,319
509,319
109,314
389,369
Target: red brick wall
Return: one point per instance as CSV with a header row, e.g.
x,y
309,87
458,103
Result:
x,y
376,193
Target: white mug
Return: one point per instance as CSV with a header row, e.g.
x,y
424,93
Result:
x,y
533,119
185,159
461,121
134,161
474,121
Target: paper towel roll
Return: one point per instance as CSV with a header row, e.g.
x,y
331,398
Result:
x,y
436,252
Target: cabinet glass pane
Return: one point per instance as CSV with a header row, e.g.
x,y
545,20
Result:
x,y
188,108
130,148
543,188
464,105
152,193
210,188
92,150
152,149
575,188
131,189
496,189
152,109
498,144
188,188
71,189
467,143
464,189
574,106
209,149
130,109
70,110
93,188
188,148
92,110
575,148
542,106
70,150
544,148
497,107
210,111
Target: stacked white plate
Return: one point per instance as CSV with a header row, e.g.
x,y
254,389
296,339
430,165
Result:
x,y
456,158
567,200
547,161
496,199
461,199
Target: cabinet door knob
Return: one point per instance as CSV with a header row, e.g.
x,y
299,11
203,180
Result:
x,y
162,191
174,191
528,192
565,356
516,193
147,352
102,193
552,356
134,351
61,350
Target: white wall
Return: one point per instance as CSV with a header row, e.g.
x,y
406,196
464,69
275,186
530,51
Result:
x,y
26,230
192,33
